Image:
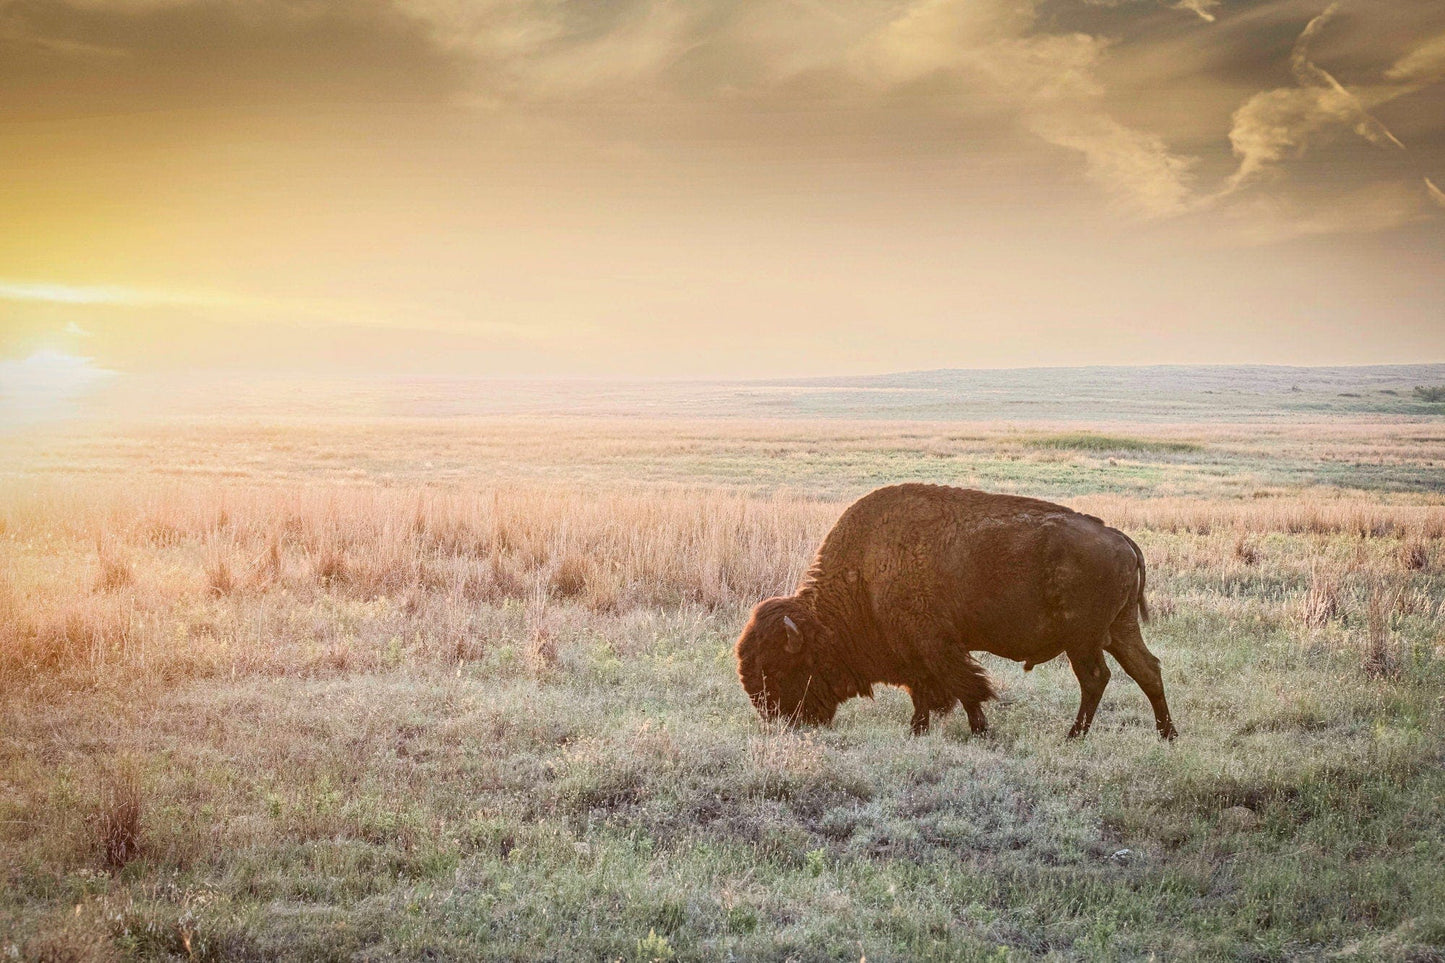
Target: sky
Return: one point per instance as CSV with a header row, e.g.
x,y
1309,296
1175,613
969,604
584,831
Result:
x,y
717,188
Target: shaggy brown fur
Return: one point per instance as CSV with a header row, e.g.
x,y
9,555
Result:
x,y
915,578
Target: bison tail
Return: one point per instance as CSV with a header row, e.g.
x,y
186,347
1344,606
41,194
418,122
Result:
x,y
978,687
1143,578
1143,602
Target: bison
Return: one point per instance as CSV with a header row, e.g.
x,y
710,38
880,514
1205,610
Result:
x,y
913,579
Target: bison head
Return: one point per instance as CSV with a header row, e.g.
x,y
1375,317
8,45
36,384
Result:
x,y
780,655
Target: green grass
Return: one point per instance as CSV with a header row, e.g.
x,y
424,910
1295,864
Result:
x,y
824,459
1088,441
625,803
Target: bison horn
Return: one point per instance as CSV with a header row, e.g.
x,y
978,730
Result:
x,y
795,637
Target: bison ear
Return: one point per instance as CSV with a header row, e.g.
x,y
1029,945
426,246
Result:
x,y
794,645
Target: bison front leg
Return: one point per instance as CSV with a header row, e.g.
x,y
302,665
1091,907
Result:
x,y
977,722
927,699
1093,675
922,709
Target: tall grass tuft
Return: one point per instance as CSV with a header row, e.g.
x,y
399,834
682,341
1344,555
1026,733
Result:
x,y
571,577
118,817
1381,656
541,645
115,569
270,565
331,565
220,579
9,601
1322,601
1245,550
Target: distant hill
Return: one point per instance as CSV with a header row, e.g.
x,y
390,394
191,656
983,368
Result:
x,y
1162,392
1094,394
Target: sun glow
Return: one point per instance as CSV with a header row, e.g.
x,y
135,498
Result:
x,y
45,386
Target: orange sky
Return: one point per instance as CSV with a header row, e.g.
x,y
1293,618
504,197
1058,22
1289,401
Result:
x,y
696,187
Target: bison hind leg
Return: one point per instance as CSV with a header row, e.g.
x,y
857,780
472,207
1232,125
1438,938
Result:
x,y
1127,645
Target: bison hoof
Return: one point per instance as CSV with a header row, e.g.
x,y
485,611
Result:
x,y
1167,731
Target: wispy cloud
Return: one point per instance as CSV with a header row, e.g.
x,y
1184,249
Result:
x,y
222,308
69,294
1425,63
48,292
1202,8
1263,218
1436,195
1050,81
1281,123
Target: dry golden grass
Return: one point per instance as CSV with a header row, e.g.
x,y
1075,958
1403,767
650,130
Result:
x,y
428,557
1317,513
116,571
419,562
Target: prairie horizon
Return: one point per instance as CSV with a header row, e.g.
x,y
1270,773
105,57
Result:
x,y
1063,394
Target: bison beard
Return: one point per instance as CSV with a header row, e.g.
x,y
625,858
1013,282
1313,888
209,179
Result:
x,y
915,578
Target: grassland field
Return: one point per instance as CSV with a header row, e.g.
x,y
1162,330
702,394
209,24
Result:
x,y
411,686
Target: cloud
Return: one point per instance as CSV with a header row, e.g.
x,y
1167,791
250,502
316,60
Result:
x,y
88,57
1202,8
1424,64
52,293
977,59
1135,166
224,311
1278,124
1050,82
65,293
1056,80
1094,79
930,36
1373,208
1435,193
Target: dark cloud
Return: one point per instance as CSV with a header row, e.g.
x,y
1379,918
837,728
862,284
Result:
x,y
1171,107
62,58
